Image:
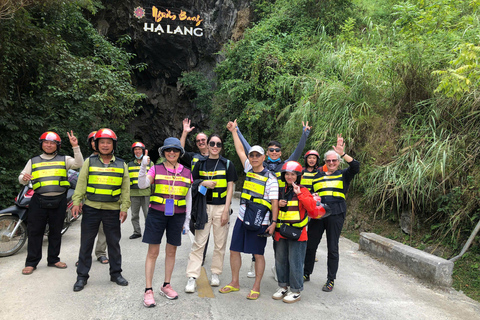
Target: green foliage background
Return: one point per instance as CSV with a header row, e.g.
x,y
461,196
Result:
x,y
57,73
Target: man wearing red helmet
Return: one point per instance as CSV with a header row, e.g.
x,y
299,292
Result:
x,y
140,198
291,234
101,244
48,174
105,184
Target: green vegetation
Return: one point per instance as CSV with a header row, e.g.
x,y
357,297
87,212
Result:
x,y
398,78
57,73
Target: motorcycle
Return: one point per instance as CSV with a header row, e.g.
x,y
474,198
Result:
x,y
13,221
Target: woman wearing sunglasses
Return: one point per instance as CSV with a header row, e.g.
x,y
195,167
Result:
x,y
215,177
332,187
169,212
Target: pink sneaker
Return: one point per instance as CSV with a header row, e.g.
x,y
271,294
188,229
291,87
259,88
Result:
x,y
148,300
168,292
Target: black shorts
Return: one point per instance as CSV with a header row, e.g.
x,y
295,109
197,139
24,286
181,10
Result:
x,y
157,223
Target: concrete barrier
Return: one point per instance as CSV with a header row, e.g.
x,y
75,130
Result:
x,y
421,264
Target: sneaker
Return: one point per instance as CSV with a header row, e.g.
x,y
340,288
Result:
x,y
306,277
251,273
215,282
292,297
281,292
191,284
148,300
168,292
274,271
328,287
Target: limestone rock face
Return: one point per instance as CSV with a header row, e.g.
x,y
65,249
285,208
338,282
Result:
x,y
171,37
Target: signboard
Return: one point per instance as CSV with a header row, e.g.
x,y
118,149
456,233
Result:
x,y
163,21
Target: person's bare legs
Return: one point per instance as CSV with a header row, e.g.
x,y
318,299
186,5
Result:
x,y
152,254
235,265
259,270
170,252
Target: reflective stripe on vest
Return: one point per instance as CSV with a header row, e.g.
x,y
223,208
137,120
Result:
x,y
307,180
195,159
292,215
105,183
281,183
133,170
49,175
170,186
254,188
329,186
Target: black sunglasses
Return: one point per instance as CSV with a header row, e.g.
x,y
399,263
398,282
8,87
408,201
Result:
x,y
171,149
212,144
200,140
274,149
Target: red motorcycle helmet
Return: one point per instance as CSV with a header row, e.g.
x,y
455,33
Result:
x,y
309,153
91,136
322,210
292,166
50,136
106,133
138,145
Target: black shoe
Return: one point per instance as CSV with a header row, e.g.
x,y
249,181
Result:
x,y
135,236
79,285
328,287
306,277
121,281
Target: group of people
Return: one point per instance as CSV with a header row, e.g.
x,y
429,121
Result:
x,y
192,192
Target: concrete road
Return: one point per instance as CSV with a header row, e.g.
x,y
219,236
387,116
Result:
x,y
365,289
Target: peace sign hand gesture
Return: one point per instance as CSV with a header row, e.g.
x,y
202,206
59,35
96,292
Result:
x,y
73,139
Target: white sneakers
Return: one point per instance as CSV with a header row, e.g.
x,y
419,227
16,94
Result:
x,y
251,273
215,282
191,284
280,293
292,297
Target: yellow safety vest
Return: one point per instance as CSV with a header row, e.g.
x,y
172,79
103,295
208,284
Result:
x,y
49,175
330,187
254,188
292,214
105,183
133,170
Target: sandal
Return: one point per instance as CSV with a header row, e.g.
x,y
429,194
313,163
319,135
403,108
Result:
x,y
103,259
251,295
228,289
28,270
59,265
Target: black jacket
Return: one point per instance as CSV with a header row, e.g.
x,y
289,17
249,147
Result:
x,y
199,207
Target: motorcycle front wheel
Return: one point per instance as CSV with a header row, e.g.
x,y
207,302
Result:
x,y
11,244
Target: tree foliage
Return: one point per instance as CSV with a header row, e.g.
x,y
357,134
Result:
x,y
399,79
57,73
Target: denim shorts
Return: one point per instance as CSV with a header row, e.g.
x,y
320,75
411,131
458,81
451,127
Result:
x,y
247,241
157,223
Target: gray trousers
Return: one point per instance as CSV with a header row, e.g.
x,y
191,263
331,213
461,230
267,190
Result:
x,y
137,203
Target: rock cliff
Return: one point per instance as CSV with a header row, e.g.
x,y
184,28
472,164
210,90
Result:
x,y
171,37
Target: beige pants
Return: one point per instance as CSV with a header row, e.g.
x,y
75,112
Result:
x,y
220,235
101,246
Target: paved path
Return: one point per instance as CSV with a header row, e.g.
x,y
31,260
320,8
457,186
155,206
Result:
x,y
365,289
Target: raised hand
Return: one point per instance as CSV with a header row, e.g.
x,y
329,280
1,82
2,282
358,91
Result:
x,y
339,148
146,158
305,126
186,125
232,126
72,138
